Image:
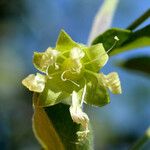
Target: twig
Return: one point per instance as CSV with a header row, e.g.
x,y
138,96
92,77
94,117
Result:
x,y
140,20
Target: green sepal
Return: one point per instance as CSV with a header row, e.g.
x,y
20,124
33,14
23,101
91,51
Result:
x,y
64,42
56,90
50,98
97,57
96,93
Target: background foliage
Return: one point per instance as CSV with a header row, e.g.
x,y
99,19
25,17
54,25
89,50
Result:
x,y
26,26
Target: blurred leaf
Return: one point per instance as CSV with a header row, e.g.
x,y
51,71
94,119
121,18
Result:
x,y
142,141
103,19
128,40
54,135
141,64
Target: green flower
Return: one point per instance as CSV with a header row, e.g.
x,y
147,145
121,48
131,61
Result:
x,y
71,75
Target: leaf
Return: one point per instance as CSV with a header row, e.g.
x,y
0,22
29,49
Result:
x,y
127,40
44,129
141,64
55,130
64,42
60,116
107,38
103,19
137,39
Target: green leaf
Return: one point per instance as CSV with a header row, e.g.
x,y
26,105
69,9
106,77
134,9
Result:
x,y
137,39
43,128
103,18
127,40
141,64
64,42
107,38
55,130
97,57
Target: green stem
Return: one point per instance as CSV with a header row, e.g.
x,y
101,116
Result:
x,y
140,20
139,144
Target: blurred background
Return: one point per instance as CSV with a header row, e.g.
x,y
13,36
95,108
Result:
x,y
27,26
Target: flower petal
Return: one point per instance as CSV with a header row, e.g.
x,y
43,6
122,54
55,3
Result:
x,y
35,83
45,59
76,112
112,81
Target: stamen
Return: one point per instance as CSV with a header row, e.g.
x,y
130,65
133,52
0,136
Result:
x,y
65,79
74,83
116,40
47,72
56,66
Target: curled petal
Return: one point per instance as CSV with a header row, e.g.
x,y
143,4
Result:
x,y
112,81
35,83
78,116
45,59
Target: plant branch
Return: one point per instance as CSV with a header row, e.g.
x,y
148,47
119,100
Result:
x,y
140,20
139,144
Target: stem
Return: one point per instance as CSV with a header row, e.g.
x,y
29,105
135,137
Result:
x,y
140,20
139,144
